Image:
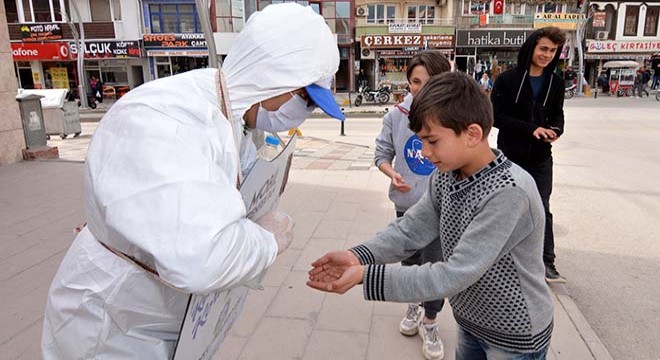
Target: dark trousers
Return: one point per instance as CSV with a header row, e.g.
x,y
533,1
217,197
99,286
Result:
x,y
542,174
431,308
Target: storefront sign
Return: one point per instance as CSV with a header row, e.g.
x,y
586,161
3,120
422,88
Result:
x,y
491,38
562,21
107,49
40,51
41,32
407,41
599,19
405,28
174,41
614,46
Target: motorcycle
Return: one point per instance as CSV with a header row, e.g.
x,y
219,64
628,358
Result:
x,y
569,92
92,101
380,96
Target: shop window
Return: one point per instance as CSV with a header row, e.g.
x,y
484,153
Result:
x,y
476,7
380,13
651,24
174,18
630,25
424,14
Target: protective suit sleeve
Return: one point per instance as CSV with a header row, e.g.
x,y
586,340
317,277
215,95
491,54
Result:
x,y
163,190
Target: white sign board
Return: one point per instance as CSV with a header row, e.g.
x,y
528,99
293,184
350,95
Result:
x,y
404,28
209,317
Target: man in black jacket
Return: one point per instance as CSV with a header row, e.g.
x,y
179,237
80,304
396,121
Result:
x,y
528,105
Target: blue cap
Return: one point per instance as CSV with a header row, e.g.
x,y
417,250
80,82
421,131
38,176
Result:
x,y
272,140
323,98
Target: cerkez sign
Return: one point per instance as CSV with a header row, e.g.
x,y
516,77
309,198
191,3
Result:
x,y
40,32
491,38
174,41
407,41
107,49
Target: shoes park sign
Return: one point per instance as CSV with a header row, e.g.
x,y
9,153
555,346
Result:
x,y
492,38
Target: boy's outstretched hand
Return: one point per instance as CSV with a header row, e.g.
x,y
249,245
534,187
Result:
x,y
336,271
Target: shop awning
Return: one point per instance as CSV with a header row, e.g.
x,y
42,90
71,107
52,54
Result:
x,y
178,52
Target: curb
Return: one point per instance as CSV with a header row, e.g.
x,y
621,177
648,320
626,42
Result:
x,y
596,347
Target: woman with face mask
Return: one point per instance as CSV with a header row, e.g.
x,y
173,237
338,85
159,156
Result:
x,y
161,179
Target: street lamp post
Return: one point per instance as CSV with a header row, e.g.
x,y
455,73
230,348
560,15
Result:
x,y
80,41
204,10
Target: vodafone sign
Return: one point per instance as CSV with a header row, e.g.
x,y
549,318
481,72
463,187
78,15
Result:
x,y
40,51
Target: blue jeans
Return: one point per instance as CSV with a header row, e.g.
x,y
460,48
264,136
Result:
x,y
472,348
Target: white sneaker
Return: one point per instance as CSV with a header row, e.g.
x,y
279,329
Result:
x,y
408,325
432,347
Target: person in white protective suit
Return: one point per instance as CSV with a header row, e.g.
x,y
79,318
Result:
x,y
161,187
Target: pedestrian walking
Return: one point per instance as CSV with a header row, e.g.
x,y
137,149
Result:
x,y
638,84
485,212
164,215
528,103
397,144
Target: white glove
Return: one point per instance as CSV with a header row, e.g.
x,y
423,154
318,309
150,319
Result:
x,y
281,225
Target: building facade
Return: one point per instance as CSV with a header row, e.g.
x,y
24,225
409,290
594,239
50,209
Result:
x,y
490,32
623,31
388,34
45,52
12,141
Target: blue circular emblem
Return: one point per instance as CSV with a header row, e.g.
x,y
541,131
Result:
x,y
413,153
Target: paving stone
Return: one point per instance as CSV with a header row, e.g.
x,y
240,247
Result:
x,y
333,345
349,312
231,348
296,300
255,307
278,338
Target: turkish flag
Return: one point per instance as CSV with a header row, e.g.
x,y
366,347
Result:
x,y
498,7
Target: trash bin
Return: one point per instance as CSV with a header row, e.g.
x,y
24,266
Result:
x,y
33,120
61,117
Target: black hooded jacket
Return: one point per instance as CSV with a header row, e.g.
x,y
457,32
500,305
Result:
x,y
517,114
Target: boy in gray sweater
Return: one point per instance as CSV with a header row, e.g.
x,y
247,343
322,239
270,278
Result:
x,y
488,218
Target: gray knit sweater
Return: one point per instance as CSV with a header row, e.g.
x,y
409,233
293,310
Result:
x,y
489,260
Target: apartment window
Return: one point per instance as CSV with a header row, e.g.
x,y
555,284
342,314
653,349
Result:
x,y
424,14
380,14
476,7
337,14
264,3
630,26
651,24
33,11
174,18
516,8
551,8
229,15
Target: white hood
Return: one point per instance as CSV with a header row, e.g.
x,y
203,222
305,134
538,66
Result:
x,y
282,48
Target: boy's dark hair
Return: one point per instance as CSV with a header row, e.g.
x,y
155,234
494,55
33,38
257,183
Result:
x,y
555,34
434,61
454,100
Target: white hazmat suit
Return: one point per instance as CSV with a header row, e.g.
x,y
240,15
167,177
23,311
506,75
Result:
x,y
160,184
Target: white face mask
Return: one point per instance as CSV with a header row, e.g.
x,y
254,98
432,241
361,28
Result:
x,y
290,115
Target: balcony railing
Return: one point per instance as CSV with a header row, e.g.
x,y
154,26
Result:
x,y
384,22
497,21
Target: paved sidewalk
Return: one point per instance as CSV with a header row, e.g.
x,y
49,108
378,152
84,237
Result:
x,y
337,198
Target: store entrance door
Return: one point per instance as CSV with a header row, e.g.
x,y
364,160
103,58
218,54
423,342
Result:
x,y
163,67
25,78
466,63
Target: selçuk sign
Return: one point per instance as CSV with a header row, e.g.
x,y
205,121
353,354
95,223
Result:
x,y
492,38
